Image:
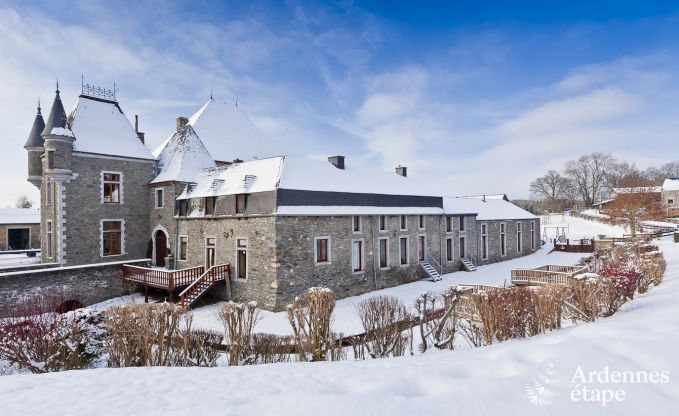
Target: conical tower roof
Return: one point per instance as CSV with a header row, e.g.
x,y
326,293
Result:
x,y
57,117
183,158
34,138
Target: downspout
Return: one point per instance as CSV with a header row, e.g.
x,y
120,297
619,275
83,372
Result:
x,y
375,250
441,239
176,228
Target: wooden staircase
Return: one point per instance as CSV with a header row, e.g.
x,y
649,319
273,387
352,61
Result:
x,y
468,265
204,283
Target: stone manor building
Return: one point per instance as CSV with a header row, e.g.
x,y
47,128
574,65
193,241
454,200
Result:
x,y
284,223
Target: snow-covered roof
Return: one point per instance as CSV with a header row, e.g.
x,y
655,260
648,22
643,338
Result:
x,y
228,133
671,184
494,196
637,189
101,127
19,216
184,158
489,210
34,137
238,178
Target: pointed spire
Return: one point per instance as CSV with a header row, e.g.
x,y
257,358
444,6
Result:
x,y
57,116
34,138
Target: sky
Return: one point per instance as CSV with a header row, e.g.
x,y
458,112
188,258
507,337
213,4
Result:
x,y
473,98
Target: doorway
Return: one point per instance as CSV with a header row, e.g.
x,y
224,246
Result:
x,y
18,238
160,240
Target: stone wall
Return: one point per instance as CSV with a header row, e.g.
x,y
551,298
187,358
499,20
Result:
x,y
470,240
88,284
163,219
83,209
34,235
494,240
672,208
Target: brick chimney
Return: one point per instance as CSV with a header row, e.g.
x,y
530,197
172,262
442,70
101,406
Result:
x,y
181,122
337,161
402,170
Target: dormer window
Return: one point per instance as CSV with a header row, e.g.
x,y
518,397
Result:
x,y
111,185
210,203
241,203
183,207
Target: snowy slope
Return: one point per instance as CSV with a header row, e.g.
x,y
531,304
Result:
x,y
101,127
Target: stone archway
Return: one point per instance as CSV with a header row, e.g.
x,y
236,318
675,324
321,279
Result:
x,y
159,248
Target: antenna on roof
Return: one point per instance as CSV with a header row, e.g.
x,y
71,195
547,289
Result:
x,y
82,81
211,88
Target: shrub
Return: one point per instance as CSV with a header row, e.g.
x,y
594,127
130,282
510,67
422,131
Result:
x,y
438,316
239,321
270,348
384,318
310,316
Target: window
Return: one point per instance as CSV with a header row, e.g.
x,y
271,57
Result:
x,y
449,249
357,255
18,238
518,237
670,201
404,222
532,235
503,240
183,247
210,251
484,241
449,224
242,258
356,223
160,202
241,203
384,253
49,239
463,248
48,191
112,238
111,188
50,159
322,250
420,222
403,250
461,223
383,223
210,202
183,207
421,248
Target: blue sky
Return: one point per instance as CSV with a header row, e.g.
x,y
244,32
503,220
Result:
x,y
474,98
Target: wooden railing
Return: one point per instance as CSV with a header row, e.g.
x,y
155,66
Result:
x,y
522,277
212,275
160,278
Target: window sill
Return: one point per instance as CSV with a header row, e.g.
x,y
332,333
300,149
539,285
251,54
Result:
x,y
322,263
404,265
358,272
385,268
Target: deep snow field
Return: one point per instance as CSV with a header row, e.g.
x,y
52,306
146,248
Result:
x,y
529,376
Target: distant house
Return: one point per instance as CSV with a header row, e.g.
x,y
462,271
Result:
x,y
19,229
670,196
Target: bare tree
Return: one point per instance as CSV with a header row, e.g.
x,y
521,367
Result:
x,y
658,175
310,316
553,188
588,174
23,202
637,204
384,318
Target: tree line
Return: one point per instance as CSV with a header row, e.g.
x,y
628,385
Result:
x,y
591,178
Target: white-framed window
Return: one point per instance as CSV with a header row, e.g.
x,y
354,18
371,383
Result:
x,y
450,250
112,237
356,223
242,258
421,248
420,222
404,222
159,198
449,224
111,187
322,250
484,241
241,203
532,235
403,251
183,248
462,223
357,256
463,247
518,237
503,239
48,191
48,236
209,205
383,252
383,222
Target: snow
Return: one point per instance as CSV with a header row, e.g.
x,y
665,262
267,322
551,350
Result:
x,y
60,131
183,158
530,377
101,127
19,216
81,266
671,184
488,210
228,133
12,261
578,228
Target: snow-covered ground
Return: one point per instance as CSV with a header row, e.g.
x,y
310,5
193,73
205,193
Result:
x,y
577,228
531,376
13,260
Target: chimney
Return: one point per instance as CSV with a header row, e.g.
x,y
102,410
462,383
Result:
x,y
337,161
484,198
136,128
181,122
402,170
237,161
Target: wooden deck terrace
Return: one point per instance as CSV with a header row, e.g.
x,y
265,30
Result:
x,y
545,275
162,278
